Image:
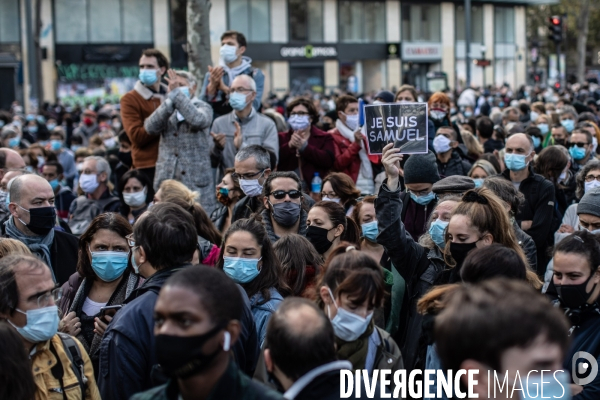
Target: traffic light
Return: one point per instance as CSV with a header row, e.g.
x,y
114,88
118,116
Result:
x,y
556,28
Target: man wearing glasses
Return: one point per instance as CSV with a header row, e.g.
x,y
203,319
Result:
x,y
28,297
580,148
242,127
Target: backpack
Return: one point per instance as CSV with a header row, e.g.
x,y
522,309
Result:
x,y
76,360
84,210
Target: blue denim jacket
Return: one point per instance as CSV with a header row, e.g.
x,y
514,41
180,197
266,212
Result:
x,y
262,312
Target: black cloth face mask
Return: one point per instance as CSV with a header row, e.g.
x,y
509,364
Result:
x,y
285,214
41,219
459,251
318,237
575,296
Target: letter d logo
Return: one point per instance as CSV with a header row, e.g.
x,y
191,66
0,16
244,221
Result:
x,y
583,367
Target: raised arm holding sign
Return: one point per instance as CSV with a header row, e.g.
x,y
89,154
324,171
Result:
x,y
405,125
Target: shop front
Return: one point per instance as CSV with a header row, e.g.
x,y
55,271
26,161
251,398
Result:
x,y
418,60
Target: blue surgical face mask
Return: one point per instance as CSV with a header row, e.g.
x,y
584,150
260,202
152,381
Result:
x,y
468,114
75,147
32,129
436,230
370,231
478,182
568,124
109,265
14,142
515,162
553,386
56,145
578,153
228,53
347,325
54,183
185,90
237,101
241,270
51,127
422,200
148,76
42,324
543,128
536,141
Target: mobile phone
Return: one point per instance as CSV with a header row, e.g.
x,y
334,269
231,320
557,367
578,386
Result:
x,y
110,310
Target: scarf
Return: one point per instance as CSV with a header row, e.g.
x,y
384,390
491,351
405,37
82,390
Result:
x,y
364,182
235,71
355,352
39,245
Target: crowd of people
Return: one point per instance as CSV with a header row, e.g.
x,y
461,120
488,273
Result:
x,y
195,242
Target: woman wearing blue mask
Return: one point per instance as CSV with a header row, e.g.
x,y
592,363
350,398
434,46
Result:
x,y
364,216
481,170
247,257
349,292
11,138
103,279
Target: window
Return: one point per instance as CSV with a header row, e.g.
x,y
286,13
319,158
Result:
x,y
421,23
362,21
504,24
9,21
108,21
178,21
476,23
306,20
250,17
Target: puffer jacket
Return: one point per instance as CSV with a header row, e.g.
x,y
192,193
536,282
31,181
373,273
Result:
x,y
420,267
262,311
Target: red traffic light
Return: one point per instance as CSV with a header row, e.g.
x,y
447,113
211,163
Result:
x,y
555,21
557,85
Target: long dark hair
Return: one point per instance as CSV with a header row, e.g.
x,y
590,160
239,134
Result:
x,y
551,163
16,378
297,256
271,275
109,221
344,187
202,222
583,243
337,215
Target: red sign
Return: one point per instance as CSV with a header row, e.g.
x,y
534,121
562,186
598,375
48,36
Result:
x,y
483,63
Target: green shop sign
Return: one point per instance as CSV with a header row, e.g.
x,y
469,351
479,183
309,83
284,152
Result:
x,y
94,72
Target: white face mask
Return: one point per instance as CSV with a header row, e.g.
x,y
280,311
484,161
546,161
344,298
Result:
x,y
251,187
335,200
88,182
590,185
346,325
352,121
441,144
136,199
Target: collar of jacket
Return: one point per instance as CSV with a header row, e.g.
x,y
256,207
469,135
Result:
x,y
307,378
153,283
147,94
245,120
532,174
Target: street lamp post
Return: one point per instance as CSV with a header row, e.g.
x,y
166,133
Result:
x,y
468,41
483,49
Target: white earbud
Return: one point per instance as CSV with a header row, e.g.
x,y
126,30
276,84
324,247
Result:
x,y
227,343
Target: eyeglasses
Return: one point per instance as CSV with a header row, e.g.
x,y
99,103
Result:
x,y
299,113
44,299
248,176
241,90
130,240
591,178
280,194
421,193
578,144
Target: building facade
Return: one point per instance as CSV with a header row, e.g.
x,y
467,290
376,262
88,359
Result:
x,y
91,48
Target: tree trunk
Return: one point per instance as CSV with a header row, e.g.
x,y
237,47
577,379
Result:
x,y
583,29
198,39
38,52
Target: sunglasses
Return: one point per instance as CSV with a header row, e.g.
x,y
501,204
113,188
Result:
x,y
578,144
280,194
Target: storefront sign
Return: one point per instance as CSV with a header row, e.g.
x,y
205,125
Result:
x,y
405,125
421,51
94,72
308,51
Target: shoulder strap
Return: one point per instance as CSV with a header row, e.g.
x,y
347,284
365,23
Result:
x,y
77,364
57,371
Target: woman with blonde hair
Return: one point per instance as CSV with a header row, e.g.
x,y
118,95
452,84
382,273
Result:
x,y
10,246
474,148
209,238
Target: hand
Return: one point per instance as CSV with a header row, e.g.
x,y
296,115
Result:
x,y
390,159
526,225
216,73
237,136
70,324
172,80
100,326
564,228
300,138
220,139
358,136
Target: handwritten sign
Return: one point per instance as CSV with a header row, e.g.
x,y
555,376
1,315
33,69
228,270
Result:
x,y
405,125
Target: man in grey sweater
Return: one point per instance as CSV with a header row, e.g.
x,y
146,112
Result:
x,y
242,127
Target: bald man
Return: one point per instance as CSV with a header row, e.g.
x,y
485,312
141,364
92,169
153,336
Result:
x,y
299,340
537,215
10,159
4,198
32,220
242,127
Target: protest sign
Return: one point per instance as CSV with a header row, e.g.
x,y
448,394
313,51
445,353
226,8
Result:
x,y
403,124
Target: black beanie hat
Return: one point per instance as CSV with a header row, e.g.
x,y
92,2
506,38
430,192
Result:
x,y
421,168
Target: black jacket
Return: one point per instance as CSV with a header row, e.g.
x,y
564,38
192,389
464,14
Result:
x,y
455,166
538,207
63,254
219,216
527,244
420,267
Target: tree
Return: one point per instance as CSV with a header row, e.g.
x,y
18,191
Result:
x,y
198,39
583,28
